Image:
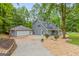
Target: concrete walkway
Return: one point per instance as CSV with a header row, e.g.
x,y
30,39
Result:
x,y
30,48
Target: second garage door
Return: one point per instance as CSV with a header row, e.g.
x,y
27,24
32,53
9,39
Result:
x,y
21,33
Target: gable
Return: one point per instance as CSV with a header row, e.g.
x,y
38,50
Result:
x,y
45,24
37,23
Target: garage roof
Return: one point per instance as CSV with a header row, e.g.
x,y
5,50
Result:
x,y
21,28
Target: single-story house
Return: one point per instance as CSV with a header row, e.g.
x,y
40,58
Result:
x,y
20,31
41,27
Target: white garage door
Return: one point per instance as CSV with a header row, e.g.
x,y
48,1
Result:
x,y
21,33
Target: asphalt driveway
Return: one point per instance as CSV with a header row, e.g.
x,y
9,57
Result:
x,y
30,47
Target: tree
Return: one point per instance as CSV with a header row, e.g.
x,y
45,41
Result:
x,y
6,16
11,16
63,18
34,13
72,23
21,16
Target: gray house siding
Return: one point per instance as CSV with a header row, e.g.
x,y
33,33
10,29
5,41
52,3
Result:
x,y
13,33
41,27
38,28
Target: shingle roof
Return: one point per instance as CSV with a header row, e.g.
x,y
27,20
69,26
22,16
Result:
x,y
20,28
49,25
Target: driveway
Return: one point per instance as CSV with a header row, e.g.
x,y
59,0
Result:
x,y
30,46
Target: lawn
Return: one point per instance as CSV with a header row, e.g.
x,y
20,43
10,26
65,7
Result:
x,y
74,38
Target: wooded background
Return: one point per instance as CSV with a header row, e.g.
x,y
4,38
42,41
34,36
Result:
x,y
64,15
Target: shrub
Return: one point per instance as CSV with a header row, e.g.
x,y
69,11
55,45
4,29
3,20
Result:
x,y
46,35
56,36
42,40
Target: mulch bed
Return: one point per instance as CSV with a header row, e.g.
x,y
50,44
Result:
x,y
61,48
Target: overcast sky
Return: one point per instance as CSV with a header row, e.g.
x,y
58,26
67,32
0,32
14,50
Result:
x,y
27,5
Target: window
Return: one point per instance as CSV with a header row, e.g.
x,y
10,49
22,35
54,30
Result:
x,y
38,25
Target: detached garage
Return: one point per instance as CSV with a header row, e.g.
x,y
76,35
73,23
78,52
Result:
x,y
20,31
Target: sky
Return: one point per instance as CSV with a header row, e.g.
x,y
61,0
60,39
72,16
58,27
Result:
x,y
27,5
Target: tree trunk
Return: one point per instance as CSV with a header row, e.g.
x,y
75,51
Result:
x,y
63,16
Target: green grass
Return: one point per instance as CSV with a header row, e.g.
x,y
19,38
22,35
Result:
x,y
74,38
